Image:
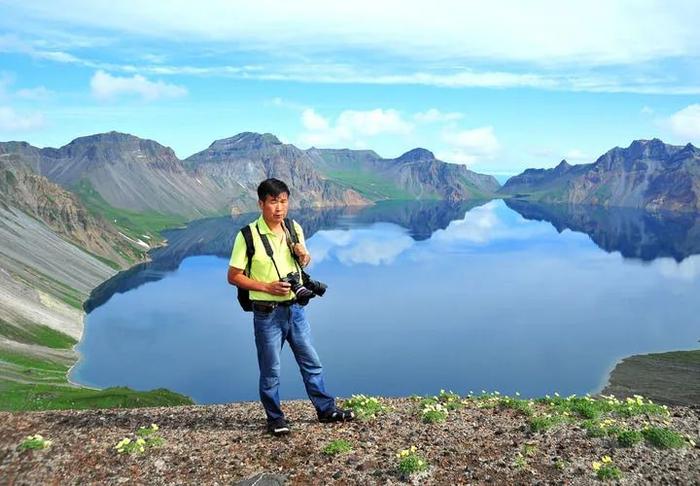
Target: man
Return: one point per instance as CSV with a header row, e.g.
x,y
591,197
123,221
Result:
x,y
277,317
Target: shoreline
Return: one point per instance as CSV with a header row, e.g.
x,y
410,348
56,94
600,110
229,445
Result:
x,y
667,377
604,387
84,315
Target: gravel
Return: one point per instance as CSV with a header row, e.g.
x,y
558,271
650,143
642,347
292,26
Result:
x,y
227,444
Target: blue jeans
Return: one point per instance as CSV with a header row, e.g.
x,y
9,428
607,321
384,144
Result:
x,y
271,331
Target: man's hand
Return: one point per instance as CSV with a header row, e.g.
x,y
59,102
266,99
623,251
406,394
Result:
x,y
278,288
302,254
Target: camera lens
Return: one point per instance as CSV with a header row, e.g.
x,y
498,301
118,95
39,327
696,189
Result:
x,y
299,290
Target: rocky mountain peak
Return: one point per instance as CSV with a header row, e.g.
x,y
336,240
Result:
x,y
417,154
563,166
112,137
246,141
653,148
111,143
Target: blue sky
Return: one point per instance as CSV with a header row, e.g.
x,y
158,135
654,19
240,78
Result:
x,y
499,86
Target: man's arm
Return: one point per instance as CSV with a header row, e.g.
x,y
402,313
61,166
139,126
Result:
x,y
237,278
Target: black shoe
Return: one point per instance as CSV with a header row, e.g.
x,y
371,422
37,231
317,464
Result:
x,y
336,415
278,427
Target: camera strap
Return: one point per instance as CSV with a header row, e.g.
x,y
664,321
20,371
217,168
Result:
x,y
290,233
268,249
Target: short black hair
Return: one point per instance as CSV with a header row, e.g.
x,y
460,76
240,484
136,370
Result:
x,y
271,187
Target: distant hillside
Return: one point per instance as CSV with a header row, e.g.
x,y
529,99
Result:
x,y
236,166
417,174
23,190
119,176
648,174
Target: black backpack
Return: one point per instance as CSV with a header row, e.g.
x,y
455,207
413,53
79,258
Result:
x,y
244,294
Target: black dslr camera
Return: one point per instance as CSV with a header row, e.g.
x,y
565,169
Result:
x,y
304,291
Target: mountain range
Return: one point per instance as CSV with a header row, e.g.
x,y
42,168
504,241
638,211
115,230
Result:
x,y
134,174
71,217
648,174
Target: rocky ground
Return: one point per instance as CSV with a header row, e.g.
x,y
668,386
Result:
x,y
227,444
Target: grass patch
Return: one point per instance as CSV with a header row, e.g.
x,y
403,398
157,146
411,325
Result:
x,y
131,223
410,462
433,414
450,400
28,362
663,438
34,442
146,438
365,408
338,446
542,423
47,388
31,397
590,408
629,438
686,357
520,405
369,185
30,333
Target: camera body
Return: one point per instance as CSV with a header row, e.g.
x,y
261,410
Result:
x,y
307,290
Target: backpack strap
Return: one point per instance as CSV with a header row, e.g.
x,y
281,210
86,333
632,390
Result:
x,y
291,228
292,239
249,247
268,249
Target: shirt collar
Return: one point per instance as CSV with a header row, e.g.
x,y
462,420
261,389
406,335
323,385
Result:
x,y
264,229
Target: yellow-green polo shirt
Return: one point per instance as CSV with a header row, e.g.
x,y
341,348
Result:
x,y
261,268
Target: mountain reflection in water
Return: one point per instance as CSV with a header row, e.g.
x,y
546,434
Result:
x,y
422,296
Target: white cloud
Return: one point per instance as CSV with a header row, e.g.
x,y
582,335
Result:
x,y
434,115
7,79
374,122
106,87
313,121
378,244
40,93
647,110
12,121
350,125
686,123
484,224
154,58
547,32
470,146
688,269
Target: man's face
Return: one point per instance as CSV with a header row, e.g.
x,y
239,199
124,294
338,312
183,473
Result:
x,y
274,208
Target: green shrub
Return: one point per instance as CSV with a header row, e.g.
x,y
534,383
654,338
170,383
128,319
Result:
x,y
663,437
593,428
629,438
34,442
540,423
365,408
605,469
523,406
450,400
146,437
411,462
338,446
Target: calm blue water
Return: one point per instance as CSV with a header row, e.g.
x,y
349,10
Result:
x,y
421,297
